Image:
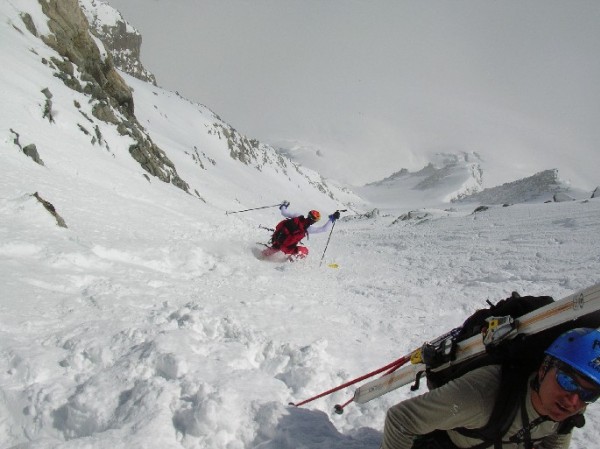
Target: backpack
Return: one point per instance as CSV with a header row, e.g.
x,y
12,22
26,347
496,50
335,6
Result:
x,y
528,355
289,232
519,358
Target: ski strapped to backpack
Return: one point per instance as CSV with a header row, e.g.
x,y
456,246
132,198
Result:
x,y
516,330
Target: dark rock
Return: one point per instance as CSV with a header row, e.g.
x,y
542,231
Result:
x,y
50,208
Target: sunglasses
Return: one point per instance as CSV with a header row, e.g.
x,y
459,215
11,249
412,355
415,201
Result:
x,y
568,383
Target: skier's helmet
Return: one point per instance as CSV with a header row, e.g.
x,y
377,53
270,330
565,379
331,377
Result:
x,y
579,349
314,215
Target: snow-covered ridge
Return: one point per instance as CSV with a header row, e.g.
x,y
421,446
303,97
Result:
x,y
101,14
458,178
542,186
446,178
121,39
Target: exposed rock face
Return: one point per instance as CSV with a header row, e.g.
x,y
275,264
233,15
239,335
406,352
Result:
x,y
29,150
71,38
122,41
50,208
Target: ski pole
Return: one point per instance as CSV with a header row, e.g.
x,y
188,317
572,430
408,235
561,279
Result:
x,y
327,244
329,238
339,409
254,208
390,366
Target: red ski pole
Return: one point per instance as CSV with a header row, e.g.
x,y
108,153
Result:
x,y
393,366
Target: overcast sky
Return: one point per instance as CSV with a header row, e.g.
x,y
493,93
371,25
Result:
x,y
379,85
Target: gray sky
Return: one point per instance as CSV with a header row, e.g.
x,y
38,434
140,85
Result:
x,y
380,84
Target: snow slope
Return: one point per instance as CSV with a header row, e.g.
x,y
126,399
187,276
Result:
x,y
148,323
173,335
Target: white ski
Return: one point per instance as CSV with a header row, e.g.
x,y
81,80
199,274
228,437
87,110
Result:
x,y
584,303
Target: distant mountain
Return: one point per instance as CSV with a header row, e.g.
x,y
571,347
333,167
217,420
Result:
x,y
446,178
458,179
543,186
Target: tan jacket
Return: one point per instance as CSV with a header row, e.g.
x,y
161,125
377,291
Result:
x,y
465,402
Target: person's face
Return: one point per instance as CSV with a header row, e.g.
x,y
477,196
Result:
x,y
556,402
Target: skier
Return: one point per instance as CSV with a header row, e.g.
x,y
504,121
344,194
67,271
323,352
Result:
x,y
289,232
550,405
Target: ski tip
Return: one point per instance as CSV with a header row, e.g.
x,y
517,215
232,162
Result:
x,y
333,265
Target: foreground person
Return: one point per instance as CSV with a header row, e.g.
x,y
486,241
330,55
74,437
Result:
x,y
549,404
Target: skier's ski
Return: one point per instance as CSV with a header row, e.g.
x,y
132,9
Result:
x,y
267,256
581,308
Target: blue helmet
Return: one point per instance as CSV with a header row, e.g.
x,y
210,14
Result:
x,y
580,349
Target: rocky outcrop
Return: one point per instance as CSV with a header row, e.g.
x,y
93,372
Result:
x,y
561,197
417,215
29,150
120,39
71,38
50,208
113,100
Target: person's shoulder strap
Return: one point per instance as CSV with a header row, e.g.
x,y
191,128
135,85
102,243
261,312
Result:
x,y
513,385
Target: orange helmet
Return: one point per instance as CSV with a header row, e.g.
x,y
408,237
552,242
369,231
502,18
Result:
x,y
314,215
